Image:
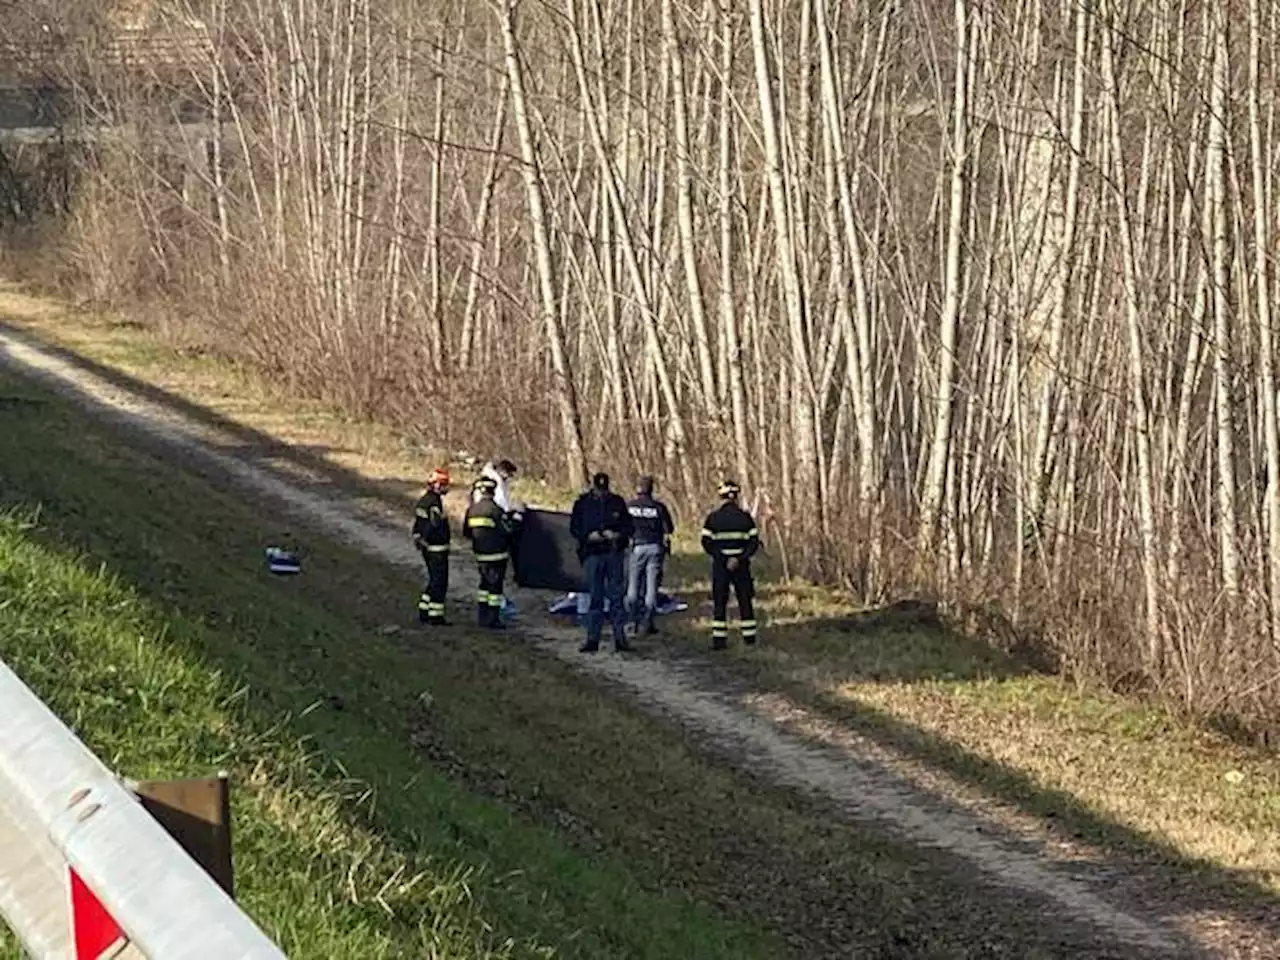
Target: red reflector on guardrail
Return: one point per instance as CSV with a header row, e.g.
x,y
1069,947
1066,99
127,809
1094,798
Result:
x,y
95,933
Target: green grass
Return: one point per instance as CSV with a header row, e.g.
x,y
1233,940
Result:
x,y
112,665
398,862
540,812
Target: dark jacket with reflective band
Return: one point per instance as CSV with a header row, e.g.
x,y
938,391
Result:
x,y
431,523
487,527
651,519
591,514
730,531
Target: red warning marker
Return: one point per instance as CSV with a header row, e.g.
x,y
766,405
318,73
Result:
x,y
96,935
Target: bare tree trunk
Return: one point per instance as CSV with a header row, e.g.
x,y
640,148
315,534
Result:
x,y
465,346
940,446
216,160
1140,418
436,303
684,214
728,315
1221,309
1266,346
565,391
802,385
861,362
1063,280
403,76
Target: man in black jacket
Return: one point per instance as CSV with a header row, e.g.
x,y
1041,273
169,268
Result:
x,y
602,526
431,537
730,538
649,549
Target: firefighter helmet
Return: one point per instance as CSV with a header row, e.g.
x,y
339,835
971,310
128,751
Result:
x,y
729,490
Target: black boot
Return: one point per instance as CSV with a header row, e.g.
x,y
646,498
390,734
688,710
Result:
x,y
719,643
482,614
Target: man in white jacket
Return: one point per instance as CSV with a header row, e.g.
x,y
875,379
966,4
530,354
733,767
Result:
x,y
501,472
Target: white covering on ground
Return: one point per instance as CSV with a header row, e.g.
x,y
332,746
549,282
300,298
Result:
x,y
576,604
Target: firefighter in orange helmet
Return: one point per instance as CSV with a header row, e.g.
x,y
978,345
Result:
x,y
431,536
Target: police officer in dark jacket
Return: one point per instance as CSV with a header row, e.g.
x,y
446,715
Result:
x,y
730,538
649,548
490,530
431,537
603,528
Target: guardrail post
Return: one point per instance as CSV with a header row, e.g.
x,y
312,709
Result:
x,y
70,830
197,813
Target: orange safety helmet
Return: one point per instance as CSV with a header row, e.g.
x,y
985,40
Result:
x,y
439,477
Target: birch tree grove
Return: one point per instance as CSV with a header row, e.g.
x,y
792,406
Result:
x,y
978,296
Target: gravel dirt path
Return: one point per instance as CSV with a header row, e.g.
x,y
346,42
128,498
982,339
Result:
x,y
780,741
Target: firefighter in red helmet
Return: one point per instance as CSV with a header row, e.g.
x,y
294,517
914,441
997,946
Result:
x,y
431,536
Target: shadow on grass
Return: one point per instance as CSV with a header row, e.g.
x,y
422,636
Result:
x,y
846,891
900,642
907,642
249,444
304,670
619,786
1138,867
1198,885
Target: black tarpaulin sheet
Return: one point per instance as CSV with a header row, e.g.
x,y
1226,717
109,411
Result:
x,y
546,557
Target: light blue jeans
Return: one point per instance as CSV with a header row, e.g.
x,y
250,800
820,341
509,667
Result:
x,y
646,567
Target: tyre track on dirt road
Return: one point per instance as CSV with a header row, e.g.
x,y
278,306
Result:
x,y
856,784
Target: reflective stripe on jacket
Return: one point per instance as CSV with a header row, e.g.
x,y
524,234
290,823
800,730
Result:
x,y
487,527
431,523
729,531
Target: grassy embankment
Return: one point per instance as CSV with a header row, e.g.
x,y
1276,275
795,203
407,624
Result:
x,y
1113,771
396,795
346,845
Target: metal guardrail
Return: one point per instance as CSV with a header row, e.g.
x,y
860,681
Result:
x,y
62,810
